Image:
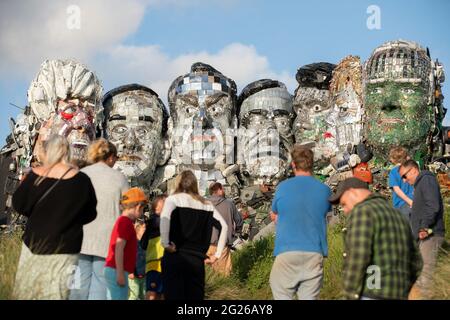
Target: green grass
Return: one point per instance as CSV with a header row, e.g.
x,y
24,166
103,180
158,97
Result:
x,y
9,258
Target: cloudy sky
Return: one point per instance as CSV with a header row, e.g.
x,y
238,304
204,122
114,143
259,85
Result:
x,y
153,41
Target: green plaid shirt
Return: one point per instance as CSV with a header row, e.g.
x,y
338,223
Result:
x,y
381,258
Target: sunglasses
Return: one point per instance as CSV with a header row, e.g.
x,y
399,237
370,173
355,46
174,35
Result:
x,y
405,174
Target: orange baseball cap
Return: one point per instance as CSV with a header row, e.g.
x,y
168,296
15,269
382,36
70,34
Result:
x,y
133,195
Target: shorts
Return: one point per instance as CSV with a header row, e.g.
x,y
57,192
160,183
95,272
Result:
x,y
154,282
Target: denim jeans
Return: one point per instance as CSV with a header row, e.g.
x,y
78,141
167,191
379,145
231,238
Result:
x,y
92,283
114,291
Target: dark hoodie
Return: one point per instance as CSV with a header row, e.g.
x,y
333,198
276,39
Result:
x,y
427,210
231,215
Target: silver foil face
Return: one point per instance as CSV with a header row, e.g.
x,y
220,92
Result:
x,y
202,105
312,106
65,99
135,126
265,135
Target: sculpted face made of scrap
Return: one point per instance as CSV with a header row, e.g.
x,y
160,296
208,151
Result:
x,y
312,107
347,104
65,99
136,123
398,94
265,135
202,107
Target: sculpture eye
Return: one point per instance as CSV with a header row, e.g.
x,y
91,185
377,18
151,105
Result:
x,y
408,91
118,131
189,110
141,132
377,90
70,109
317,108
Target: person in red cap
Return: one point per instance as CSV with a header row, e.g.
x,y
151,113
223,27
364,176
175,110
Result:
x,y
121,259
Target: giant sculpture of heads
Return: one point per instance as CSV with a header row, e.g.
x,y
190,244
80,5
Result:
x,y
203,119
400,86
65,99
136,123
265,131
312,107
347,104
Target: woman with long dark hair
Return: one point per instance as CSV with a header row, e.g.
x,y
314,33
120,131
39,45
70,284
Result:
x,y
187,221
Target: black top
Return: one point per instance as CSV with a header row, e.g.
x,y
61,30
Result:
x,y
428,210
191,230
55,225
151,230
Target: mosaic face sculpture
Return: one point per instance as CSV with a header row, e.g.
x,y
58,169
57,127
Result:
x,y
203,111
399,97
346,101
265,135
136,123
65,99
312,107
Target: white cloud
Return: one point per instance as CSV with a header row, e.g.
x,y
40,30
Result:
x,y
32,31
150,66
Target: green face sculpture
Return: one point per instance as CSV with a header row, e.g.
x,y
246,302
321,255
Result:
x,y
397,114
398,99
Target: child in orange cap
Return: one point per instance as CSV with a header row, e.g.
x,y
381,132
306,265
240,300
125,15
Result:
x,y
122,251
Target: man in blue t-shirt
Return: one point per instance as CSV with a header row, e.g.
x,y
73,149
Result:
x,y
300,206
402,192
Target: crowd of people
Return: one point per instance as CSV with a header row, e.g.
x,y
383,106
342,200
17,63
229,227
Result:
x,y
87,236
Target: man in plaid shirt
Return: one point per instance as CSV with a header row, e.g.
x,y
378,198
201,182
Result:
x,y
381,258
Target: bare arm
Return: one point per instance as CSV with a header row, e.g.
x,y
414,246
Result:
x,y
402,195
120,246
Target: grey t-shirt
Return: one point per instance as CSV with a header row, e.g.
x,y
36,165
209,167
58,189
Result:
x,y
108,185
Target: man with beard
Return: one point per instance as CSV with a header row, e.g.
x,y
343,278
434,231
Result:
x,y
203,114
136,123
264,141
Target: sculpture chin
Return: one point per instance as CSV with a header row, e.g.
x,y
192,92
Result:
x,y
387,121
79,149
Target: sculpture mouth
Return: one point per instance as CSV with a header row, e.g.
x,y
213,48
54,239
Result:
x,y
129,158
203,138
390,121
79,144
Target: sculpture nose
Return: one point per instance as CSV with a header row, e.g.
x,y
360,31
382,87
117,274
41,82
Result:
x,y
202,119
130,140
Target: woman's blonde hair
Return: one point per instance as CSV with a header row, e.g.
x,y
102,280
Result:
x,y
398,155
56,149
186,182
100,150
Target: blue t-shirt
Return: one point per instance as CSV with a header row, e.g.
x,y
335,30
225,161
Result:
x,y
302,204
396,180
